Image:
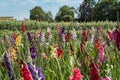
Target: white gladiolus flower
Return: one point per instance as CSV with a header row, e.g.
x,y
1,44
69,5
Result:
x,y
49,34
48,29
74,36
63,37
71,61
93,35
43,37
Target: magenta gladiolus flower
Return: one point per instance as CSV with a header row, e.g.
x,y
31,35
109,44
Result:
x,y
116,37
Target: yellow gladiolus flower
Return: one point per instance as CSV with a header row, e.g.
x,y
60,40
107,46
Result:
x,y
13,51
53,51
18,40
14,54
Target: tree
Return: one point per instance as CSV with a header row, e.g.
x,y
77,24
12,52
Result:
x,y
106,10
65,13
49,16
86,10
37,13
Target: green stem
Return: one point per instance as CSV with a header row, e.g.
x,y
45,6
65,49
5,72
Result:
x,y
59,68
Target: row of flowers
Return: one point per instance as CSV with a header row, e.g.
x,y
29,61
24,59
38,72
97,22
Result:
x,y
57,48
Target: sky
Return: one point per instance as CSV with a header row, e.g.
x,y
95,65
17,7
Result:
x,y
20,9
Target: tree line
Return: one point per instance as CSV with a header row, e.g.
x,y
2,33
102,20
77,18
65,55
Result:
x,y
89,10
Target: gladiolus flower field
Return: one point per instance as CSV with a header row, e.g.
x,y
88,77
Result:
x,y
32,50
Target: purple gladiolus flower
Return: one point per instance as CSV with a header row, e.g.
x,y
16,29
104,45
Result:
x,y
12,41
8,65
63,30
33,52
29,37
35,72
40,73
108,41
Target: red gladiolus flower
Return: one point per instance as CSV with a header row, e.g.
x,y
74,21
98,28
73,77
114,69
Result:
x,y
85,35
97,44
60,52
84,61
116,37
14,36
109,34
99,29
3,64
23,27
82,45
25,72
77,75
94,71
67,37
48,33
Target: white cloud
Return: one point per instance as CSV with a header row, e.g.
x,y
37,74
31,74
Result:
x,y
24,2
63,1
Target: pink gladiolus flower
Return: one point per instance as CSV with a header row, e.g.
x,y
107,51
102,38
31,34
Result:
x,y
37,34
9,53
77,75
101,54
76,71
